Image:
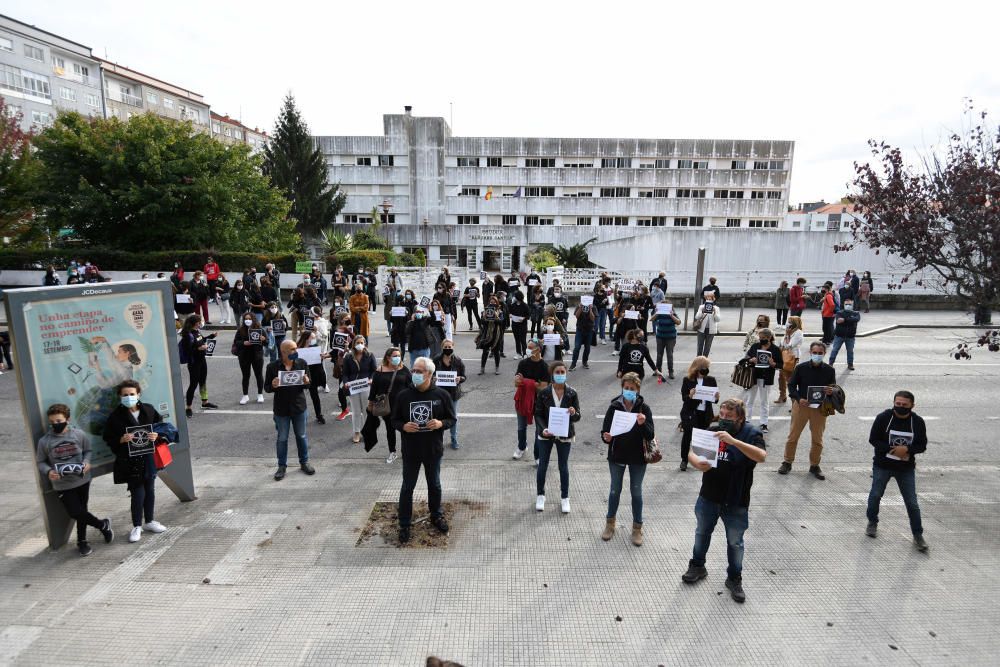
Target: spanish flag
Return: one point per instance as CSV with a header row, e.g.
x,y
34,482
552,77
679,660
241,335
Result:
x,y
489,193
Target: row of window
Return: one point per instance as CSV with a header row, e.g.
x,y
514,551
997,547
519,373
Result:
x,y
351,218
623,193
25,82
620,163
43,118
381,160
623,221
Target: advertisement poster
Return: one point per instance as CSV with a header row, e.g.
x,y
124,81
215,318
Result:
x,y
82,349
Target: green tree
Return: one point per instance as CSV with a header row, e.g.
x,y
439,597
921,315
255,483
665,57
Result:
x,y
154,184
17,166
297,168
574,256
542,258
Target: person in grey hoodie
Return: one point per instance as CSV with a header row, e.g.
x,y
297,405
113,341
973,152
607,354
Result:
x,y
63,457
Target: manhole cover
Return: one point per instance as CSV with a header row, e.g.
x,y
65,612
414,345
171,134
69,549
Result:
x,y
382,527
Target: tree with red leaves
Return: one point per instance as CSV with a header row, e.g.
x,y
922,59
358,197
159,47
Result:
x,y
942,218
16,167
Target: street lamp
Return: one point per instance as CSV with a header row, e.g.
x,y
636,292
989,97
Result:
x,y
427,248
385,218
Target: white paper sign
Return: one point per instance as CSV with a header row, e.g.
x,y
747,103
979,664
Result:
x,y
532,282
706,445
184,298
438,315
516,318
398,311
703,393
552,339
664,308
559,422
446,378
587,300
631,315
622,422
290,378
356,387
311,355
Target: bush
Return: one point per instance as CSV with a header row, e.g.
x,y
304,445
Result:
x,y
353,259
542,258
366,239
119,260
407,259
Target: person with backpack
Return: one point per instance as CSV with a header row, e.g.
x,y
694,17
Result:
x,y
191,347
248,347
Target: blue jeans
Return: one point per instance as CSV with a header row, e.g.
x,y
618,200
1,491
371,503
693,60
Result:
x,y
454,426
298,424
636,471
411,472
581,339
544,452
837,342
735,519
422,352
274,345
907,482
522,434
602,320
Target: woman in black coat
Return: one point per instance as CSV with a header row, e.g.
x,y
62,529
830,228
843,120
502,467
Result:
x,y
627,450
137,472
695,413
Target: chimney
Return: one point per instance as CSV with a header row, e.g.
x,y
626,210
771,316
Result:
x,y
408,109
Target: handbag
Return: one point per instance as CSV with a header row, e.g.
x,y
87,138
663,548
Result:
x,y
789,360
380,406
743,374
161,454
651,451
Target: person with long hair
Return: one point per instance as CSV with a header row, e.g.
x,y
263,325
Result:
x,y
337,358
358,364
695,413
193,346
317,372
790,344
763,374
490,337
556,395
782,300
359,305
390,378
277,328
249,343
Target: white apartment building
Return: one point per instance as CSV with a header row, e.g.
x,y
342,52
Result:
x,y
485,202
231,131
826,218
129,93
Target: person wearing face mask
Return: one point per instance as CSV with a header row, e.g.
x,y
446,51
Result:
x,y
767,360
791,350
289,408
358,364
421,413
437,327
519,315
390,378
138,473
389,301
782,298
398,323
665,332
557,395
711,288
660,283
222,291
797,297
600,309
635,356
753,336
276,327
898,435
706,323
642,302
844,332
449,361
865,288
418,333
584,335
828,312
811,373
470,302
623,325
627,450
239,301
725,494
532,377
63,458
192,346
490,337
443,298
695,413
199,294
551,353
250,353
537,306
337,356
359,304
561,304
317,372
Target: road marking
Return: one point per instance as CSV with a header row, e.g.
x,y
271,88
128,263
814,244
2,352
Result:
x,y
870,419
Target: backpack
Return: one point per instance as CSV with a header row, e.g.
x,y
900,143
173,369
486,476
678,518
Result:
x,y
183,349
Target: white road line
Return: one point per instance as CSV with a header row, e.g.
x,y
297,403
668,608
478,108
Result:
x,y
925,418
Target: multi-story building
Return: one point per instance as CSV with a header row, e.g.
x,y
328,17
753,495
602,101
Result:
x,y
823,217
42,74
484,202
128,93
231,131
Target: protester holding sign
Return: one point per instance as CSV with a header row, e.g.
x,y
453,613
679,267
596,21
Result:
x,y
627,449
470,302
248,343
399,316
290,412
519,315
191,347
791,350
389,380
490,337
552,340
422,413
417,334
583,337
706,323
449,362
358,368
63,457
635,355
766,356
557,401
276,327
665,323
696,411
812,373
725,494
312,352
560,303
137,472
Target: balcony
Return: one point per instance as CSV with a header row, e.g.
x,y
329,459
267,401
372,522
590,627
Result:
x,y
131,100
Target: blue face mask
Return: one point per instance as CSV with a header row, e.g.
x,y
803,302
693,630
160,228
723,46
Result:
x,y
130,401
418,379
559,378
630,395
395,360
816,358
292,356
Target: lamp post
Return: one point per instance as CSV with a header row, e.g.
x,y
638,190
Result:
x,y
385,218
427,248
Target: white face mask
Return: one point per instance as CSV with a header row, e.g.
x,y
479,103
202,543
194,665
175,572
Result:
x,y
359,347
550,327
247,322
273,310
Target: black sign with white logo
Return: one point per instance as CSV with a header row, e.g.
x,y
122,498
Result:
x,y
308,323
256,336
421,412
278,327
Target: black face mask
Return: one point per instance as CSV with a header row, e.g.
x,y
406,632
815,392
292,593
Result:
x,y
447,352
702,371
902,412
59,427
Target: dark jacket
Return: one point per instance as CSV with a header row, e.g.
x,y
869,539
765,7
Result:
x,y
353,370
730,482
628,447
418,335
690,414
249,351
458,366
288,401
130,469
382,382
806,375
766,373
239,300
633,359
412,402
883,442
545,399
849,327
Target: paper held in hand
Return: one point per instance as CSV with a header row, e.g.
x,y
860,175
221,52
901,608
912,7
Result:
x,y
356,387
398,311
587,300
664,308
622,422
446,378
705,444
704,393
184,298
290,378
210,347
311,355
552,339
631,315
559,422
516,319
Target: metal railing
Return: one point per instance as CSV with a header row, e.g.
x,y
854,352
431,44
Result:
x,y
131,100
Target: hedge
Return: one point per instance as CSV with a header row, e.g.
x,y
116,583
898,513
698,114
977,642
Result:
x,y
120,260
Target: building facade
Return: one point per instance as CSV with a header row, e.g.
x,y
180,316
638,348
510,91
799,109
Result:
x,y
42,74
128,93
485,202
823,217
231,131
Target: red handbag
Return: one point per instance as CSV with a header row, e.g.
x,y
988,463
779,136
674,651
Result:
x,y
161,454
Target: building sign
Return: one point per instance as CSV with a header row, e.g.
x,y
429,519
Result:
x,y
492,235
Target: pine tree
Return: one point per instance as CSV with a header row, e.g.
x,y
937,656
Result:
x,y
296,167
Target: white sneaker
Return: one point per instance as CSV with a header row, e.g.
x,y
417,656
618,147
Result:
x,y
391,457
518,453
135,534
536,463
540,503
326,389
244,400
154,527
260,398
614,353
565,505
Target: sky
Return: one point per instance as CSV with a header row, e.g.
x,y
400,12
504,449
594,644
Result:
x,y
827,76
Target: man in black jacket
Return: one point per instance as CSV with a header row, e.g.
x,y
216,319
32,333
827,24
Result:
x,y
844,332
289,407
810,384
421,413
897,435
